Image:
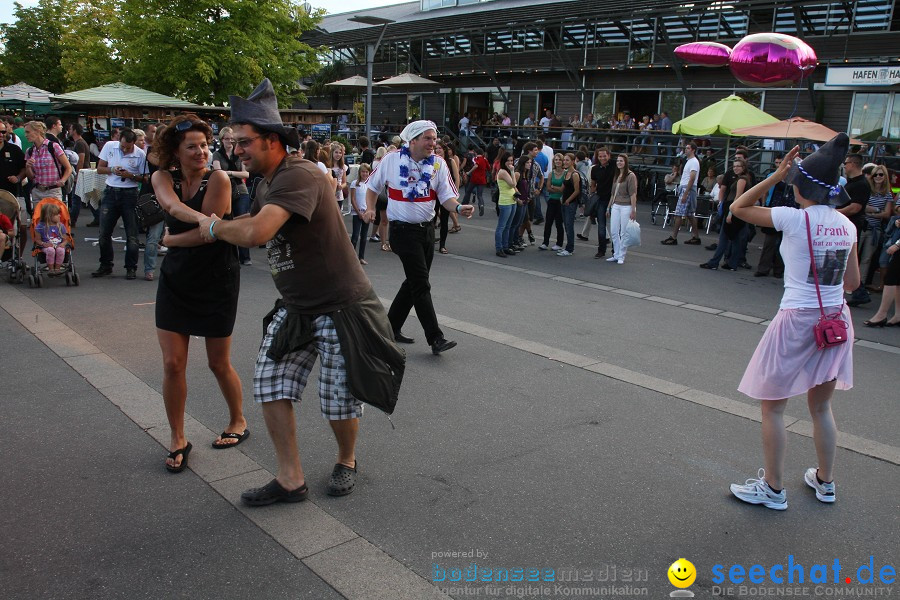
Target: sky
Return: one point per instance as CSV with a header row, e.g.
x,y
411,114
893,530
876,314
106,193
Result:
x,y
6,6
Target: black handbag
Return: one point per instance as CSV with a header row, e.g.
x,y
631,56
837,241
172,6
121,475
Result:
x,y
148,211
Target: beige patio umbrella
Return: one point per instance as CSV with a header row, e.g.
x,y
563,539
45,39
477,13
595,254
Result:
x,y
408,80
355,81
796,128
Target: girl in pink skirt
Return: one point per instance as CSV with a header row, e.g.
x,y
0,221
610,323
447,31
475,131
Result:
x,y
787,361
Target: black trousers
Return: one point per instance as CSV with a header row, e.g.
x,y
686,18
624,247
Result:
x,y
553,217
415,247
770,259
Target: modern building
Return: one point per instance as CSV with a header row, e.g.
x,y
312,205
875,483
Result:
x,y
607,56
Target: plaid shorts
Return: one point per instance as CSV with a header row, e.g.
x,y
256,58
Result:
x,y
287,378
686,208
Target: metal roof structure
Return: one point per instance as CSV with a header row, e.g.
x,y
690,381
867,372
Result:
x,y
22,93
412,23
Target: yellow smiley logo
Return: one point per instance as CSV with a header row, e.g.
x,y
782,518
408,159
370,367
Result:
x,y
682,573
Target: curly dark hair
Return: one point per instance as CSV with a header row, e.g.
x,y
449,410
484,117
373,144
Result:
x,y
165,145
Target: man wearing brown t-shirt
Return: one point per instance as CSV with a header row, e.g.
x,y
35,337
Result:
x,y
320,280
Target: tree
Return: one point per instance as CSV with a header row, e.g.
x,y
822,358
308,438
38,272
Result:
x,y
89,55
331,71
204,50
31,46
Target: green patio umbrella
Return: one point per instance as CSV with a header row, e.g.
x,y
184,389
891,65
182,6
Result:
x,y
722,118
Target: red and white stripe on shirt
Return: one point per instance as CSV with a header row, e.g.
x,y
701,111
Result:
x,y
401,208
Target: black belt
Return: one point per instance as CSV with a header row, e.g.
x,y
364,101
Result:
x,y
44,188
404,224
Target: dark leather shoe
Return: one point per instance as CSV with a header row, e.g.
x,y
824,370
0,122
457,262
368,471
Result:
x,y
103,271
583,238
130,274
760,274
399,337
441,345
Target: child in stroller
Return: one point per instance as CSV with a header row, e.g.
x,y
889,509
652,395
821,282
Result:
x,y
53,242
51,235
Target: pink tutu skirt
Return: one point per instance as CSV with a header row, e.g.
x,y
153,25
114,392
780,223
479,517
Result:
x,y
787,363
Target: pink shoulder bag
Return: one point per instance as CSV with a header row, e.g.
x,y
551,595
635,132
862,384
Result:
x,y
831,330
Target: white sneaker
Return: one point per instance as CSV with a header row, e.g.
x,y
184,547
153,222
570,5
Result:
x,y
757,491
564,253
621,261
556,247
611,259
542,247
161,250
824,491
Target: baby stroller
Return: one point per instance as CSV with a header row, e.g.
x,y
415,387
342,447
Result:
x,y
35,277
11,257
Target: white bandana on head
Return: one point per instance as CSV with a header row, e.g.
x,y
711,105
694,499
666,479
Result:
x,y
415,129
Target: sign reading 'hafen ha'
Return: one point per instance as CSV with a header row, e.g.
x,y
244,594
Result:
x,y
882,76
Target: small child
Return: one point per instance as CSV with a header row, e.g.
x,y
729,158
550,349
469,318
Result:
x,y
358,201
6,228
52,236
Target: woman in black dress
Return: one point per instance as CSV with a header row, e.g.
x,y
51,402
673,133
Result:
x,y
198,282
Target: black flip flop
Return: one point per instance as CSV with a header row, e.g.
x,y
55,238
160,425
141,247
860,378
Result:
x,y
240,437
184,457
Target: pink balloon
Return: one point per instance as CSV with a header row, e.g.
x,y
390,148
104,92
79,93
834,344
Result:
x,y
772,59
708,54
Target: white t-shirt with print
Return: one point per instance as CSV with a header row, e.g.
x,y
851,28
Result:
x,y
692,164
358,189
400,208
833,235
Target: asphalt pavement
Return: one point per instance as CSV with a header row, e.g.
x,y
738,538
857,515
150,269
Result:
x,y
585,430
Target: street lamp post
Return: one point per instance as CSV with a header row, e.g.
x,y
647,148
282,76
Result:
x,y
370,60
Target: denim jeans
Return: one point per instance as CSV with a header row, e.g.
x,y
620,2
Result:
x,y
151,248
568,212
538,210
733,250
478,189
554,217
74,208
116,203
242,207
601,228
504,225
360,233
619,219
516,223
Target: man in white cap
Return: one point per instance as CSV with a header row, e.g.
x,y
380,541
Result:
x,y
415,179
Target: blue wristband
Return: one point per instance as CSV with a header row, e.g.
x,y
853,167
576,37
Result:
x,y
458,206
211,232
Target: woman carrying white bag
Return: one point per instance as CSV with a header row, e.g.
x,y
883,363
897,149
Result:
x,y
622,208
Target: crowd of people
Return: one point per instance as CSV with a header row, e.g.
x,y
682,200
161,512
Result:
x,y
248,187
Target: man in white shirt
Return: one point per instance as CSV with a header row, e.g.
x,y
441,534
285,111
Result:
x,y
464,130
529,120
687,198
126,165
546,120
415,179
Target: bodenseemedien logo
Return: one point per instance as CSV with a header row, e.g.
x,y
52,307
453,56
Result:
x,y
682,574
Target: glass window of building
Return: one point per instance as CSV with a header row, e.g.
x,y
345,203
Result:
x,y
672,103
894,126
867,116
604,105
527,104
